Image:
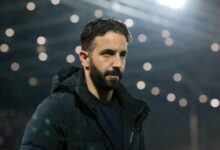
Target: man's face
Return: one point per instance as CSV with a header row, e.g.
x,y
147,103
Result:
x,y
107,60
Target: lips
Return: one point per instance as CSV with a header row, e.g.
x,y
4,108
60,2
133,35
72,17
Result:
x,y
113,77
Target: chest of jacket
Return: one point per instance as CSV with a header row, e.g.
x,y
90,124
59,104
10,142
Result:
x,y
85,132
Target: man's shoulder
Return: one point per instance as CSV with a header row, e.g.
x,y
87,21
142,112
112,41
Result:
x,y
56,104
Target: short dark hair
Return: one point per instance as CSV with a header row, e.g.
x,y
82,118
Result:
x,y
100,27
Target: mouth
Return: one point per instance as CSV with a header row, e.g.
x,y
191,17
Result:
x,y
113,77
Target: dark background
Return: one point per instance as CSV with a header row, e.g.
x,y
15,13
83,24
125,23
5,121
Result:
x,y
186,123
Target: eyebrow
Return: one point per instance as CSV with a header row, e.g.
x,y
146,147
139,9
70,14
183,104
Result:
x,y
112,50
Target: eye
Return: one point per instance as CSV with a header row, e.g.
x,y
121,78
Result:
x,y
123,54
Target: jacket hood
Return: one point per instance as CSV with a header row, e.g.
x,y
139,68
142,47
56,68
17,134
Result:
x,y
65,80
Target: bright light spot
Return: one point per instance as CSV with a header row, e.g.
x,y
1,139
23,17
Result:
x,y
203,98
165,34
9,32
4,48
171,97
141,85
41,40
98,13
147,66
214,103
74,18
41,49
42,56
155,91
215,47
32,81
78,49
70,58
129,22
177,77
55,2
169,41
142,38
116,6
30,6
15,66
175,4
183,102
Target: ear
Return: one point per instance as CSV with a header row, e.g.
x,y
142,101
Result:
x,y
84,58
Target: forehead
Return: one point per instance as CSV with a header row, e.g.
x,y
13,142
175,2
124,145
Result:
x,y
110,40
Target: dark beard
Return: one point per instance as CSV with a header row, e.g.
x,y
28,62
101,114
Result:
x,y
99,79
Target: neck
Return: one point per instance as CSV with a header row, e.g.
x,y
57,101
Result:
x,y
99,93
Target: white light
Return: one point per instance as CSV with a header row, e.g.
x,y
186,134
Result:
x,y
129,22
78,49
98,13
141,85
70,58
147,66
155,91
175,4
183,102
55,2
42,56
203,98
116,6
171,97
15,66
9,32
4,48
165,33
74,18
142,38
177,77
41,40
215,47
32,81
214,103
30,6
169,41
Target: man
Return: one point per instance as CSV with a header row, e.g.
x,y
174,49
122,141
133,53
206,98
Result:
x,y
89,109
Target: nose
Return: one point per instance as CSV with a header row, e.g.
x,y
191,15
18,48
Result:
x,y
117,62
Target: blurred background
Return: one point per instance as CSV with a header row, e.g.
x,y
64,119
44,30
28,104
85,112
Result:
x,y
173,63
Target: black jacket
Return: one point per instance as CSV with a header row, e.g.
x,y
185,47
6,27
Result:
x,y
68,120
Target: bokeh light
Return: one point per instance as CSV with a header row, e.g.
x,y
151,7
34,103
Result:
x,y
4,48
214,103
42,56
41,40
70,58
155,91
74,18
177,77
15,66
171,97
98,13
215,47
203,98
141,85
55,2
129,22
31,6
9,32
147,66
183,102
32,81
